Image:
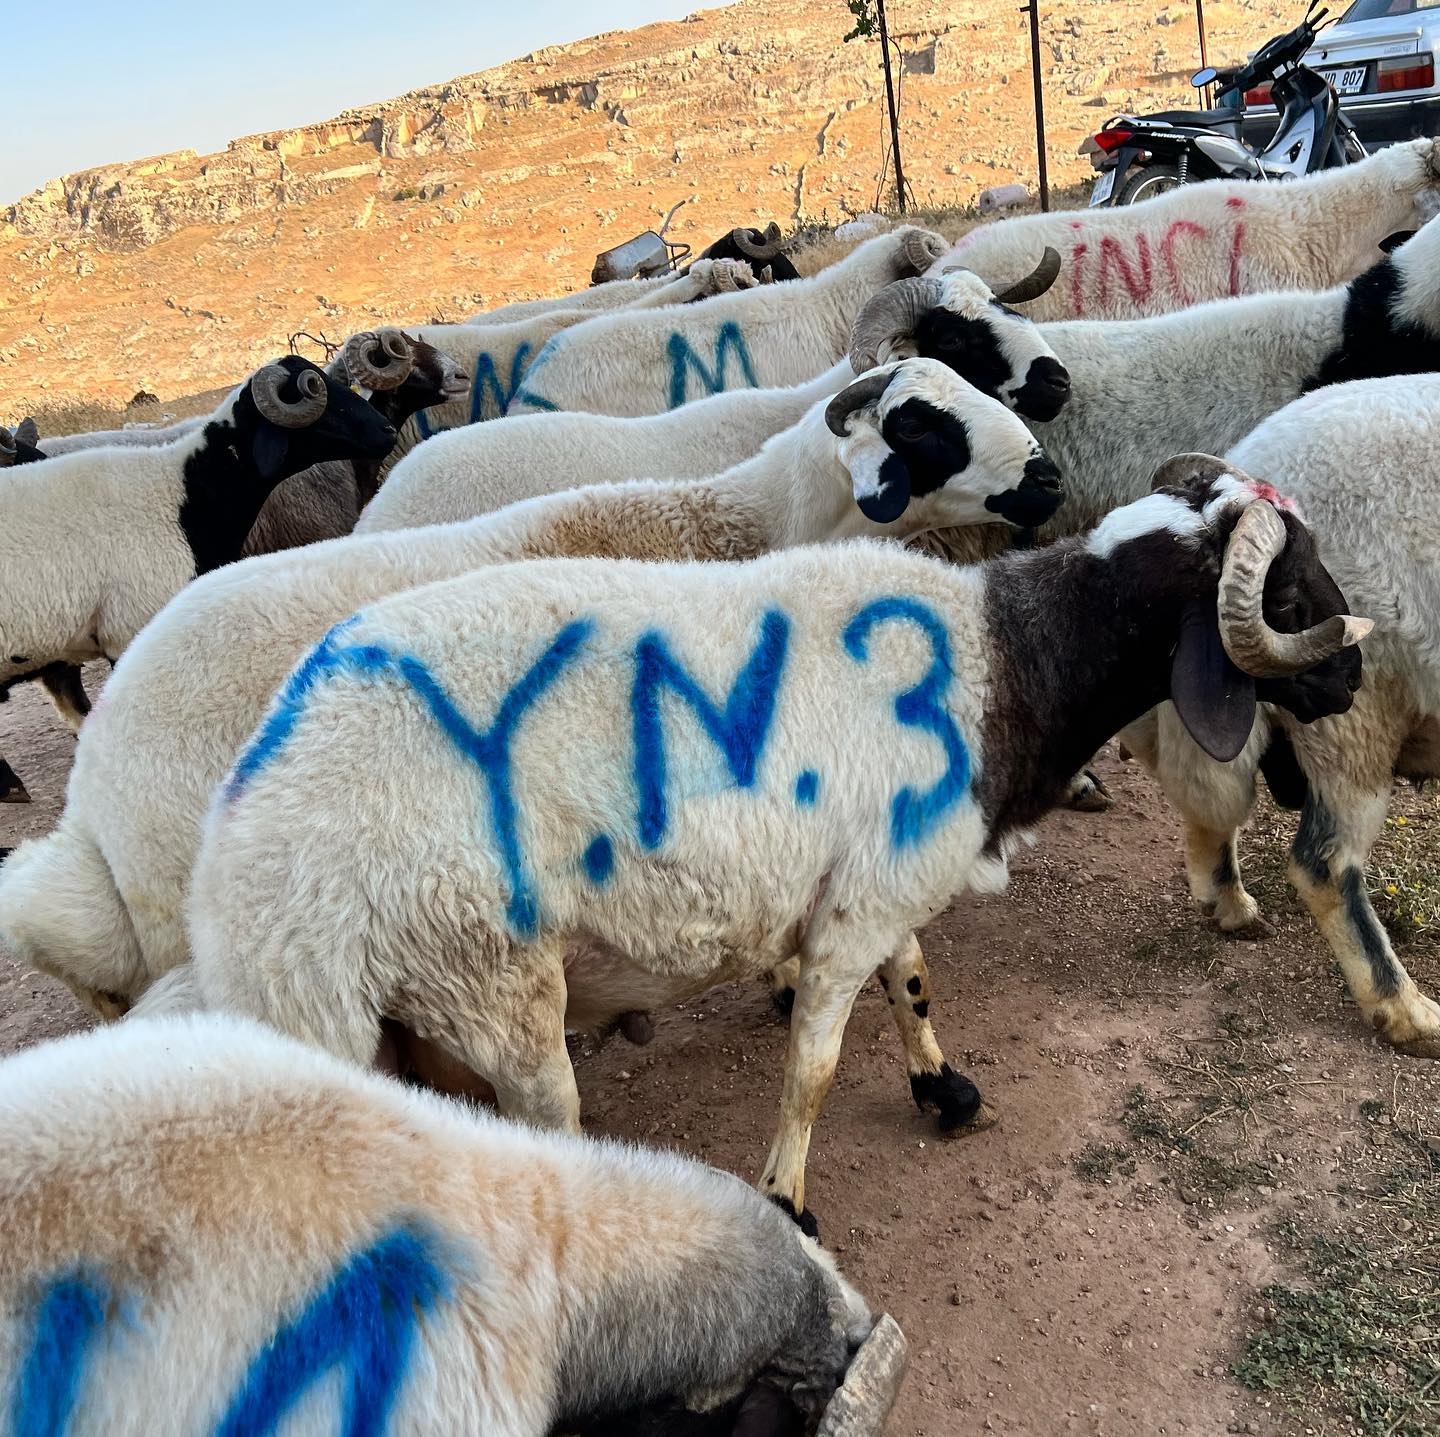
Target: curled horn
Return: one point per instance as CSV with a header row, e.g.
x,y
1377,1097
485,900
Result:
x,y
1036,282
891,313
360,358
8,448
1254,647
265,387
862,1402
728,276
767,247
921,248
852,397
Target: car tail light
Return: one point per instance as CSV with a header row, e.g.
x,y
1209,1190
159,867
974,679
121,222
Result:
x,y
1260,95
1405,72
1109,140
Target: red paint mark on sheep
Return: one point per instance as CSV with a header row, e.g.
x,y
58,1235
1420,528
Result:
x,y
1176,230
1237,243
1077,279
1139,284
1235,203
1270,494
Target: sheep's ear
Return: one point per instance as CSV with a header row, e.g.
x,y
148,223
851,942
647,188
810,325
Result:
x,y
879,477
269,450
1215,700
27,432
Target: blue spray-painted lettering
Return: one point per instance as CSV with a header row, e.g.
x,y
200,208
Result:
x,y
488,750
739,730
914,816
66,1321
684,362
363,1323
525,396
486,382
600,859
807,788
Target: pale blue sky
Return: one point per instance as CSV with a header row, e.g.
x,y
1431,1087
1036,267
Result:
x,y
93,81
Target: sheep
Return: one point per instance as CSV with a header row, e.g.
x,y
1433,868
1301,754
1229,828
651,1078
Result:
x,y
537,795
472,470
630,364
1225,237
203,1231
1359,459
92,544
498,355
99,902
759,253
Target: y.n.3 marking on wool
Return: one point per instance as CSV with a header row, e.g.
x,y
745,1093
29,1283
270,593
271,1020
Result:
x,y
739,729
488,749
915,816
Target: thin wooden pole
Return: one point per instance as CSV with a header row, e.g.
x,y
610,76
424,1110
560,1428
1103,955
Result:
x,y
890,101
1033,9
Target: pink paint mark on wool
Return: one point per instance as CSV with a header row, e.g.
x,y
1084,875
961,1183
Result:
x,y
1077,279
1139,284
1237,244
1271,495
1173,234
1235,203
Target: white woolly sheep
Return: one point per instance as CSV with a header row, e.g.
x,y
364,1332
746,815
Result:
x,y
93,544
498,356
545,793
625,364
207,1227
1360,460
1225,237
99,902
476,469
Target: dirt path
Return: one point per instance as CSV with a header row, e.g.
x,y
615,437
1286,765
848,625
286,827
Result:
x,y
1094,1264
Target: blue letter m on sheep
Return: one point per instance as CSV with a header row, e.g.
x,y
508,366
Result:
x,y
739,730
363,1323
684,362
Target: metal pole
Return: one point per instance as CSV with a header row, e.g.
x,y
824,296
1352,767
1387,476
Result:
x,y
1204,59
1033,10
890,100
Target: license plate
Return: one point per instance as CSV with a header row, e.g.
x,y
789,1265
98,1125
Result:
x,y
1346,82
1103,187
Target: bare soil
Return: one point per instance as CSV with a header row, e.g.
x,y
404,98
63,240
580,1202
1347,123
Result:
x,y
1172,1106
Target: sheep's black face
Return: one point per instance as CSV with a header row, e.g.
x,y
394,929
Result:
x,y
348,427
779,265
434,379
999,351
1299,593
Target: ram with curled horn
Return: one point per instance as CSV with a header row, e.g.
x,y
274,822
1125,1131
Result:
x,y
379,360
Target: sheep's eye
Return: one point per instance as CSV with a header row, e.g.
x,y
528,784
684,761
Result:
x,y
910,430
951,341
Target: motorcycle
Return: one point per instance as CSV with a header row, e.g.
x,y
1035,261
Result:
x,y
1141,156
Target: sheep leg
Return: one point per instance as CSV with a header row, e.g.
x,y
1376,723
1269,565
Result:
x,y
67,692
11,789
1086,793
832,972
1327,862
1212,867
934,1083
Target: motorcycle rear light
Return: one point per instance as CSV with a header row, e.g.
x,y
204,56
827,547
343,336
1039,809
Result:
x,y
1109,140
1405,72
1260,95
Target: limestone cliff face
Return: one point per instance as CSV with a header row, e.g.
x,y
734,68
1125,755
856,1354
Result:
x,y
179,271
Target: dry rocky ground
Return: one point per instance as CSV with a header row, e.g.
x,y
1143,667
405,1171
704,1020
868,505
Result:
x,y
1206,1166
182,271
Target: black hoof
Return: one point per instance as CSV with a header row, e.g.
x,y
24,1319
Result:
x,y
636,1028
1091,795
805,1221
11,789
954,1097
784,1000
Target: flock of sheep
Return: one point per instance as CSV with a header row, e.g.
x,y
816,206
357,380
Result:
x,y
419,755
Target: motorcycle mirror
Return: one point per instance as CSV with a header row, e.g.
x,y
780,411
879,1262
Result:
x,y
1203,77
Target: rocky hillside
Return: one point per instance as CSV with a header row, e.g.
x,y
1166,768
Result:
x,y
181,271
